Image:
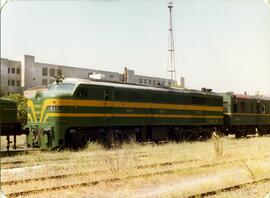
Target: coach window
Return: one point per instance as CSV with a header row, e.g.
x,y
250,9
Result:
x,y
263,108
252,108
235,107
242,107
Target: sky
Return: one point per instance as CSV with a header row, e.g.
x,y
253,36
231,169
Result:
x,y
219,44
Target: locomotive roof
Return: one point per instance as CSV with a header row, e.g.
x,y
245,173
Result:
x,y
78,81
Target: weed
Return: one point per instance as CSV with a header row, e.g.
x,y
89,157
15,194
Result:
x,y
218,145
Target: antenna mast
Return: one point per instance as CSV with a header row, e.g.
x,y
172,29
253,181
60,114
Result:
x,y
171,52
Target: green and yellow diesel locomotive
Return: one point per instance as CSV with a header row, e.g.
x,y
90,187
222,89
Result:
x,y
74,111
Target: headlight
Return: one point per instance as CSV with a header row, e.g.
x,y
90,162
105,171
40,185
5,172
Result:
x,y
54,108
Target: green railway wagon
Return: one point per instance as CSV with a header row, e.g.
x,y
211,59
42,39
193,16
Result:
x,y
9,126
8,117
246,114
76,110
8,109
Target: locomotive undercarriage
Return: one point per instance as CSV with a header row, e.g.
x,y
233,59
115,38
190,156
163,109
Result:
x,y
78,137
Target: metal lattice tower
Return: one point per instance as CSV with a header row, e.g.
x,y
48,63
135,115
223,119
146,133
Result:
x,y
171,52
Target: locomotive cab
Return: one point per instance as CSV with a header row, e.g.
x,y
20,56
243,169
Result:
x,y
43,108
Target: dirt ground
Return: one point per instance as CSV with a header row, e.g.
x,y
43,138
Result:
x,y
169,170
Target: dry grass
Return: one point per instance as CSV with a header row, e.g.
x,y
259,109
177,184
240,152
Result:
x,y
20,141
246,159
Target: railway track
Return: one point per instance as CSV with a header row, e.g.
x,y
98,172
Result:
x,y
61,176
17,152
90,183
114,179
230,188
16,163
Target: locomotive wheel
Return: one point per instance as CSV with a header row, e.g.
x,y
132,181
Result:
x,y
237,134
188,135
83,140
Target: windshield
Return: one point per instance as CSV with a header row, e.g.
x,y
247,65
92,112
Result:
x,y
62,87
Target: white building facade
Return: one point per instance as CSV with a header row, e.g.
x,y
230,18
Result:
x,y
10,76
17,76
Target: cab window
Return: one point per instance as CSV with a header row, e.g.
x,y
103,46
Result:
x,y
62,87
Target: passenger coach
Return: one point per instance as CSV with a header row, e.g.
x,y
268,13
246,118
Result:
x,y
246,114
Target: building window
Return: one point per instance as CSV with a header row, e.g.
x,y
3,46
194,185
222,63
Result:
x,y
154,82
9,70
140,81
13,70
8,82
52,72
144,81
162,83
44,71
59,72
110,76
149,82
158,82
12,82
18,83
44,81
18,71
